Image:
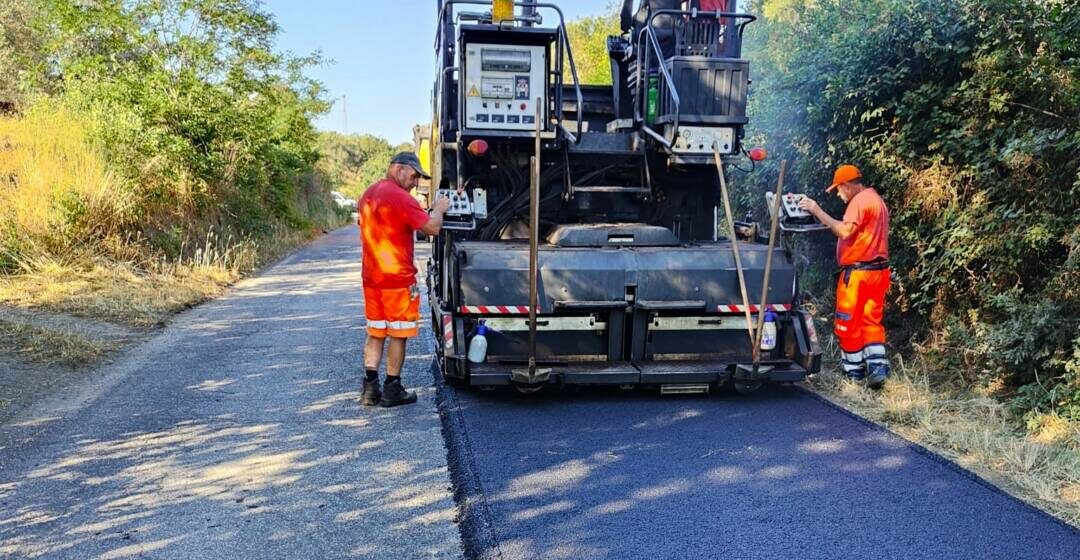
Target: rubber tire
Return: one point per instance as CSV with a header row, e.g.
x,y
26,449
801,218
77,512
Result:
x,y
747,387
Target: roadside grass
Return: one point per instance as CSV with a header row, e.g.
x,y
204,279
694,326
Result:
x,y
141,295
1037,461
50,347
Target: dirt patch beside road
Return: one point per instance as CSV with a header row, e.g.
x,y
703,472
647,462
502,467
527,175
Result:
x,y
43,352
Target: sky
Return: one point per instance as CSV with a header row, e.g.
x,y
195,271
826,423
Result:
x,y
383,57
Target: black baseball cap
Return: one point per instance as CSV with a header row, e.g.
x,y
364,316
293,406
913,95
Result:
x,y
410,159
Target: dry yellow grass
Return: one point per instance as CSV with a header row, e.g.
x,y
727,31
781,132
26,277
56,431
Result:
x,y
53,175
1040,464
46,346
143,295
115,291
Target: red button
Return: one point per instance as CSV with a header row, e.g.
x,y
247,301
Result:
x,y
523,106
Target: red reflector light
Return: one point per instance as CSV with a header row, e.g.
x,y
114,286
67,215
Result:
x,y
478,147
758,154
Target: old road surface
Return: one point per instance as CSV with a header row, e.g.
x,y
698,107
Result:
x,y
236,434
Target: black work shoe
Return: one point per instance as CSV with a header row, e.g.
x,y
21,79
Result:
x,y
394,394
370,395
875,379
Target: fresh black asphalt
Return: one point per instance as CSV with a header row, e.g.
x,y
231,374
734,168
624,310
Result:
x,y
783,474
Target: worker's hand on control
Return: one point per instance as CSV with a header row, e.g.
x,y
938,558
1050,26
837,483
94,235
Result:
x,y
809,205
442,204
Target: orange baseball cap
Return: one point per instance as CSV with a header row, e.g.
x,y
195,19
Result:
x,y
843,174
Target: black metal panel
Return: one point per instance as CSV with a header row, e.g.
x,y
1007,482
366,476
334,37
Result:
x,y
707,272
613,143
495,273
550,345
711,91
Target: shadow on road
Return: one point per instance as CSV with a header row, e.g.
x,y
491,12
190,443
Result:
x,y
237,433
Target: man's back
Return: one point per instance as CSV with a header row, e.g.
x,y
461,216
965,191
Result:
x,y
388,217
871,240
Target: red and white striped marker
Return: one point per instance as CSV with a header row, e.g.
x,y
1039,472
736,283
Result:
x,y
494,309
448,333
753,308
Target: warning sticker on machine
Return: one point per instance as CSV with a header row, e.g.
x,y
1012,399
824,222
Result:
x,y
521,87
473,92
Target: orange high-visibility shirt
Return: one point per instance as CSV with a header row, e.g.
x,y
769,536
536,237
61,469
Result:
x,y
388,218
871,239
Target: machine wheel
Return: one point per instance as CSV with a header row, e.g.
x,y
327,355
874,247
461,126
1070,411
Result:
x,y
747,387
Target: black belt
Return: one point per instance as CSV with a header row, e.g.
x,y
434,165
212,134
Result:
x,y
878,264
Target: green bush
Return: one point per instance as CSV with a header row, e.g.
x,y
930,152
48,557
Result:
x,y
203,128
964,116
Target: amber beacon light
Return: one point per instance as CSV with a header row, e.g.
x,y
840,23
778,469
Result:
x,y
502,10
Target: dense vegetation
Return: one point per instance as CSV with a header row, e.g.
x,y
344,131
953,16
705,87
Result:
x,y
965,115
138,129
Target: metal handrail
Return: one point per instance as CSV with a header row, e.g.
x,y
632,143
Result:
x,y
564,38
577,83
750,18
654,44
650,31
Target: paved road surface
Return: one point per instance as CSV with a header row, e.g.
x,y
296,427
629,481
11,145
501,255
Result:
x,y
610,475
236,434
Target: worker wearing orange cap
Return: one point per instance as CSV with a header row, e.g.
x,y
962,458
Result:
x,y
863,254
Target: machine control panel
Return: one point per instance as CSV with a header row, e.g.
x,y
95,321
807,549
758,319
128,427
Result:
x,y
792,218
463,212
698,140
459,202
502,83
789,204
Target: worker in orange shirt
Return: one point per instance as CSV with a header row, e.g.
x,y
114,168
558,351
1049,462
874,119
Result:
x,y
863,254
388,217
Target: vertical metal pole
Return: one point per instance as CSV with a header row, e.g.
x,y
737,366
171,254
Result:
x,y
345,113
775,210
735,249
528,10
534,237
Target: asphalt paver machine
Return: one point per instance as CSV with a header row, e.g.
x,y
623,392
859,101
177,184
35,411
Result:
x,y
585,226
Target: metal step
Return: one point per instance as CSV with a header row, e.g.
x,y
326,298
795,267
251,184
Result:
x,y
609,189
685,389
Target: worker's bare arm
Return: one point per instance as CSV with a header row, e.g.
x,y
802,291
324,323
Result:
x,y
843,230
438,209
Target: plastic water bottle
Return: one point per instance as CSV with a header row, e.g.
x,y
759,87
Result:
x,y
478,345
652,97
768,331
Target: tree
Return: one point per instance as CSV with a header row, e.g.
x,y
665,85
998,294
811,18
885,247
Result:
x,y
22,52
588,42
356,161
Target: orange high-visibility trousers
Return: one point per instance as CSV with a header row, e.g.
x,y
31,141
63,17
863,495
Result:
x,y
860,308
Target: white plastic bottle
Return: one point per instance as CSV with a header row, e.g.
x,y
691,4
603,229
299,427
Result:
x,y
768,331
478,345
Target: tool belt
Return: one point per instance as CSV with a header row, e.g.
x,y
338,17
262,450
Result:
x,y
877,264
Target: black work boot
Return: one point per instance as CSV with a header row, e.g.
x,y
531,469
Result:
x,y
394,394
875,379
371,394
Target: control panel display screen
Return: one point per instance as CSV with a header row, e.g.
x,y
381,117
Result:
x,y
505,60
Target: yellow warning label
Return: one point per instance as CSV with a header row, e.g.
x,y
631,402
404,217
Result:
x,y
473,92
